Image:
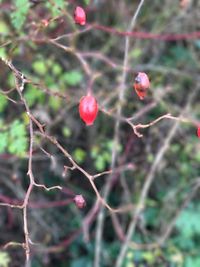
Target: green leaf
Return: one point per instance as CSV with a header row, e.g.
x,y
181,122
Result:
x,y
94,151
33,95
79,155
18,146
100,163
149,257
66,131
73,78
18,141
56,69
19,15
4,259
87,2
197,156
3,141
110,144
55,102
3,28
40,67
60,4
2,52
136,53
17,129
57,7
3,102
188,222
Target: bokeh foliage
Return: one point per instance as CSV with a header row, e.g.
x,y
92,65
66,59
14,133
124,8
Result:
x,y
172,66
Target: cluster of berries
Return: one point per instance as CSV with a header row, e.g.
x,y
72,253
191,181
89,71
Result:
x,y
88,106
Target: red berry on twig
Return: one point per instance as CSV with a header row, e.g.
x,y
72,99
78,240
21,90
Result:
x,y
198,131
88,109
79,201
80,16
141,84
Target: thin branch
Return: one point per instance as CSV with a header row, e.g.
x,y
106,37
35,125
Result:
x,y
148,182
121,94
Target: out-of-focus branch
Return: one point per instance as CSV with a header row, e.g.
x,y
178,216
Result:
x,y
148,181
121,94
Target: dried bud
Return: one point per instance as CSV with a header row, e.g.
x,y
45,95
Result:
x,y
79,201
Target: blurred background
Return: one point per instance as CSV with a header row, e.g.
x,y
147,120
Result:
x,y
63,60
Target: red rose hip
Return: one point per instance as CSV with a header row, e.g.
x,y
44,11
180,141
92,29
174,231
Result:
x,y
80,16
141,84
88,109
198,131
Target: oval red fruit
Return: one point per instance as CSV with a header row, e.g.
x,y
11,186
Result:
x,y
79,201
88,109
80,16
141,84
198,131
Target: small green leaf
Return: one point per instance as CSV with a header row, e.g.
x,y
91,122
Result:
x,y
188,223
4,259
66,131
94,151
40,67
3,102
149,257
197,156
110,144
18,146
55,102
3,141
56,69
73,78
100,163
136,53
2,52
17,129
19,15
3,28
34,95
87,2
150,157
18,141
57,7
79,155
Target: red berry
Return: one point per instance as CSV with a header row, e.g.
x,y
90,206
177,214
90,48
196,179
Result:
x,y
198,131
141,84
88,109
80,16
79,201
